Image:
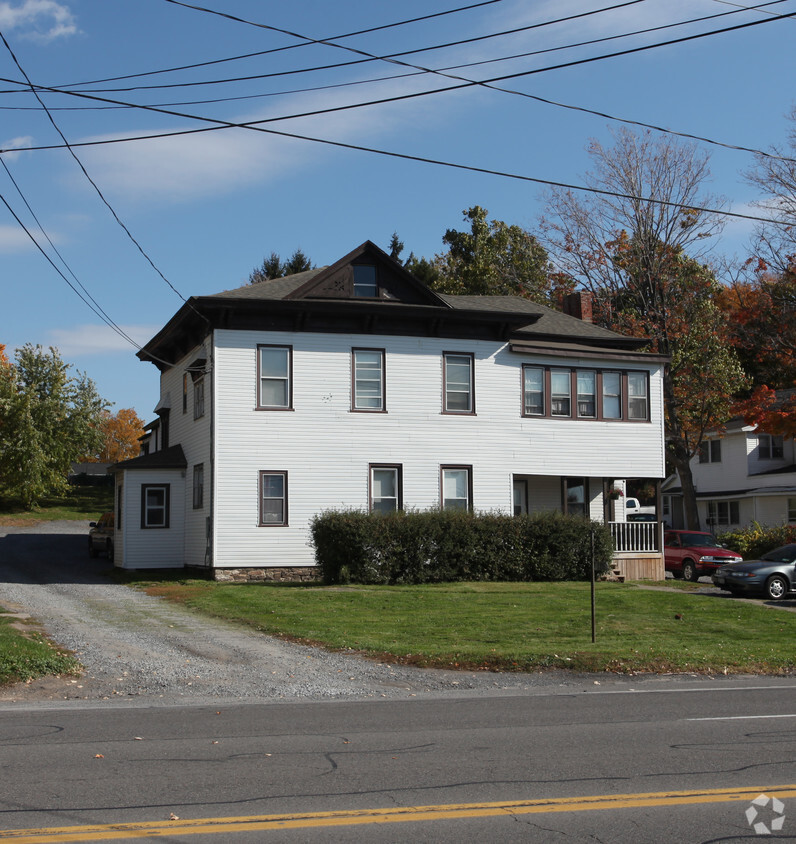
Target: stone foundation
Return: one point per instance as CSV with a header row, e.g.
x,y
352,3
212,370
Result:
x,y
275,574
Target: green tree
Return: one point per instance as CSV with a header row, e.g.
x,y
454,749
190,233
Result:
x,y
274,267
638,248
493,258
48,418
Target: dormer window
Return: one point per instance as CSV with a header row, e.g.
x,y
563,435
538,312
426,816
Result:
x,y
365,284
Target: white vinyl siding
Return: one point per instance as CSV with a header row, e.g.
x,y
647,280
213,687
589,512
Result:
x,y
327,450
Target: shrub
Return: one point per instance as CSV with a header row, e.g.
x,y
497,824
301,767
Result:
x,y
443,546
756,540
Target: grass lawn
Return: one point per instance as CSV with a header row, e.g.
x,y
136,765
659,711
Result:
x,y
26,654
508,626
81,502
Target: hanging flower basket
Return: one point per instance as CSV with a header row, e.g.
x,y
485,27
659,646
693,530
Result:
x,y
615,494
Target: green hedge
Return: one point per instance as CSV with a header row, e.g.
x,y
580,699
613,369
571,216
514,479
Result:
x,y
755,540
445,546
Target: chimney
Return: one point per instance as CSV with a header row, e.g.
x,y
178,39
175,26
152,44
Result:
x,y
578,305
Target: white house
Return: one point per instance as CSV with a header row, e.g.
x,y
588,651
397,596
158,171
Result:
x,y
743,476
355,386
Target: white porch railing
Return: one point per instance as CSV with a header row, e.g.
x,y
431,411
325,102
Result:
x,y
636,536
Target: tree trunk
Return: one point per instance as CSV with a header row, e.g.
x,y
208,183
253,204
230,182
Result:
x,y
682,462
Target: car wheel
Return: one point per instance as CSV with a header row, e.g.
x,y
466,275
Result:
x,y
92,551
776,587
109,550
689,571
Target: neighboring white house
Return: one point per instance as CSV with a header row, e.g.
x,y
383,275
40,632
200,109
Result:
x,y
355,386
741,477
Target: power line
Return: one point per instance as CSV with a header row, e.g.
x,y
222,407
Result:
x,y
254,126
85,172
282,49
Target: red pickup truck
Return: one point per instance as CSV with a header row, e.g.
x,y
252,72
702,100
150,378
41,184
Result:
x,y
690,554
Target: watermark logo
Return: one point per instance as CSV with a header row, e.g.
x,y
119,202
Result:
x,y
774,813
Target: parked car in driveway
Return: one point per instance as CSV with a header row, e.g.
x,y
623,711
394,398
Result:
x,y
690,554
100,536
773,575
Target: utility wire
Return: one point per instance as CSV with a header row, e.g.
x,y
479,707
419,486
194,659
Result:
x,y
254,126
280,49
79,163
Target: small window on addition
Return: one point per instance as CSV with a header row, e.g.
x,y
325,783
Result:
x,y
365,283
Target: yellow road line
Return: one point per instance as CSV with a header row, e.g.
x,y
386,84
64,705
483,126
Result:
x,y
253,823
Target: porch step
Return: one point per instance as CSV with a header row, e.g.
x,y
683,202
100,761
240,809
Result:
x,y
613,576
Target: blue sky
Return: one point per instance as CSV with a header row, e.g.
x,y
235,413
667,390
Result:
x,y
206,208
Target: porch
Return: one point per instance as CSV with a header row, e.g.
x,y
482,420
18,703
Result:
x,y
638,550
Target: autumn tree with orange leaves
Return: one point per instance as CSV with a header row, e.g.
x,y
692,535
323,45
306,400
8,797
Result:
x,y
121,432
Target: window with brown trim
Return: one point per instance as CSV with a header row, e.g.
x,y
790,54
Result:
x,y
366,285
199,398
386,488
273,499
274,377
565,393
155,505
185,392
456,486
458,395
198,486
368,381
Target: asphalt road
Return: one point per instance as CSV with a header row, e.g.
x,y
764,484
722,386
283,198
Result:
x,y
679,763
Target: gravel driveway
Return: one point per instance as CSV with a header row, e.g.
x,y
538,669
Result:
x,y
136,646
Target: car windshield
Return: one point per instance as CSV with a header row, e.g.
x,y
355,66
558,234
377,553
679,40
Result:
x,y
699,540
786,554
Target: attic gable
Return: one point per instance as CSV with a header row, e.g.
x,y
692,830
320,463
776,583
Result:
x,y
368,274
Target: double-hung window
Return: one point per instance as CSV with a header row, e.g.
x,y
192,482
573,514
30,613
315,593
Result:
x,y
198,486
385,489
560,392
368,379
710,451
638,395
273,499
458,394
770,447
587,393
274,376
199,397
533,391
155,505
612,395
457,487
723,513
366,284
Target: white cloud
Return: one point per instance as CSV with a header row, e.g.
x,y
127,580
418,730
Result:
x,y
94,339
42,20
16,144
14,239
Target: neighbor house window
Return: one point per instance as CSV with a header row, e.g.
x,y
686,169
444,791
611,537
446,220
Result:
x,y
710,451
119,509
368,392
770,447
561,392
587,393
723,513
792,509
385,489
612,395
155,505
273,499
458,377
365,283
199,398
198,486
274,376
533,391
638,395
185,392
457,487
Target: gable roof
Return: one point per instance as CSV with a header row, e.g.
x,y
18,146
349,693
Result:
x,y
323,300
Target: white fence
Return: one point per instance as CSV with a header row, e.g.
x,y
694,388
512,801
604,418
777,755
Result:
x,y
636,536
